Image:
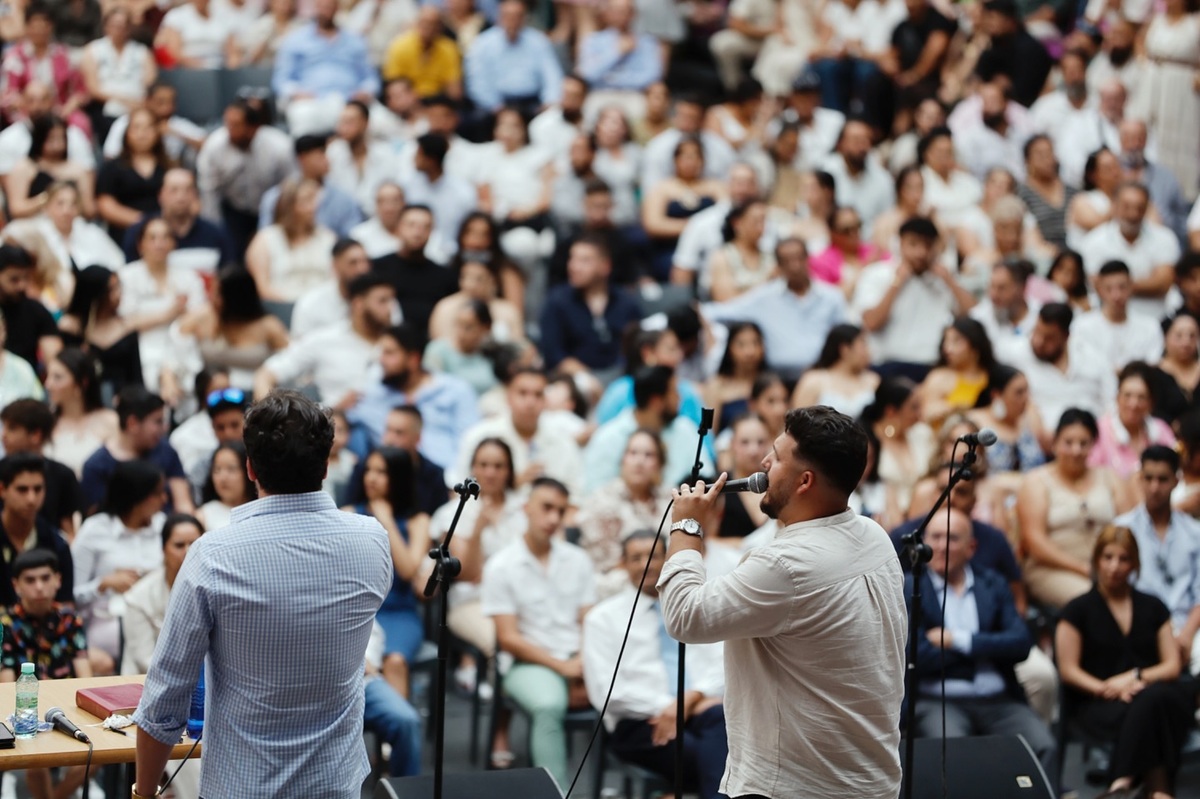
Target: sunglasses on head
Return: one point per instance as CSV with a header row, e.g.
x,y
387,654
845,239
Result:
x,y
233,396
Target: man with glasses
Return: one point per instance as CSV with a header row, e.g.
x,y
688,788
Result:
x,y
1169,543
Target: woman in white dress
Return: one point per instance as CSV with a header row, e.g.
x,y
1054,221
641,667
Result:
x,y
83,424
295,254
194,36
1092,207
618,162
1168,95
72,240
516,190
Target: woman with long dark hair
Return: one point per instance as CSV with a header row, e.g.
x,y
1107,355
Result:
x,y
740,264
45,165
842,377
387,493
1005,407
905,444
965,361
745,358
479,240
82,423
127,186
93,322
227,487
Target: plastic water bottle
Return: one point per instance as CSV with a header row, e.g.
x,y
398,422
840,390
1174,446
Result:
x,y
195,722
25,720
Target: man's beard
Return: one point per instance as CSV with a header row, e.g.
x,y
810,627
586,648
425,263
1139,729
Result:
x,y
770,505
574,116
856,162
1119,56
994,121
397,381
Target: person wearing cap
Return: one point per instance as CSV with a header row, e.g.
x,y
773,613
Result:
x,y
1012,53
907,301
336,210
819,127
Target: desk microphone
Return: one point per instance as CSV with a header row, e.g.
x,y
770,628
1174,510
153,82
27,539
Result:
x,y
755,484
56,717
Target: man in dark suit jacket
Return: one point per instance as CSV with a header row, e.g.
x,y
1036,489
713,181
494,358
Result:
x,y
979,636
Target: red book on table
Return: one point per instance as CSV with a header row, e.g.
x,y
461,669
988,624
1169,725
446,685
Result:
x,y
105,701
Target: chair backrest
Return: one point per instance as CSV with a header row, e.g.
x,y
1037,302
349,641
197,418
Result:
x,y
199,93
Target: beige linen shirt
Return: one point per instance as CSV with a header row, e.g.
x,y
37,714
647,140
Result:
x,y
814,626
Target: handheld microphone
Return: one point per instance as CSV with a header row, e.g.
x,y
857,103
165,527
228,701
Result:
x,y
985,438
56,717
755,484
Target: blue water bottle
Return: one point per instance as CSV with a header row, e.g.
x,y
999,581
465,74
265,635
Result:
x,y
195,722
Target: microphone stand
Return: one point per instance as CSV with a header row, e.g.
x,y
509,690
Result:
x,y
917,553
706,423
445,569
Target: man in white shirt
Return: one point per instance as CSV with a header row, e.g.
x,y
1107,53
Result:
x,y
1089,130
819,126
554,129
1051,112
814,623
1005,313
1063,371
1147,248
640,717
687,117
328,305
451,198
905,305
182,137
995,143
861,182
337,358
358,164
1116,335
380,235
538,590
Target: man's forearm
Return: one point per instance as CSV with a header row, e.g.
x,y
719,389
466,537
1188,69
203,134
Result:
x,y
152,757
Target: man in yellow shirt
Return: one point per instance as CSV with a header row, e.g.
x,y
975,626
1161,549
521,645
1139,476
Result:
x,y
427,57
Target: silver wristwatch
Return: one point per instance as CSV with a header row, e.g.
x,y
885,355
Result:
x,y
689,526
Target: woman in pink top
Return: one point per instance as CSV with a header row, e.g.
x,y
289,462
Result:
x,y
847,254
1127,432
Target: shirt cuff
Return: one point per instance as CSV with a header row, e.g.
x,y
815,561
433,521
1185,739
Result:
x,y
683,560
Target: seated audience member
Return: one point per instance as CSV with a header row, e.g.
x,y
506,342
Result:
x,y
656,409
1175,379
848,253
31,328
740,264
200,245
452,198
478,281
18,380
82,424
541,442
842,377
318,67
537,590
233,333
905,444
227,486
127,187
728,391
26,425
292,255
1170,540
618,62
37,56
426,57
795,313
1061,508
979,642
1147,248
1129,429
42,630
46,164
387,493
1005,408
742,513
146,601
1063,370
1120,663
221,421
93,321
328,305
142,436
388,714
448,405
1068,279
194,35
337,359
670,203
965,361
112,551
357,164
582,321
1006,313
22,527
906,303
634,501
479,239
342,463
336,209
512,64
181,137
69,237
1117,336
402,430
155,292
515,183
485,528
465,353
116,70
642,712
419,282
648,348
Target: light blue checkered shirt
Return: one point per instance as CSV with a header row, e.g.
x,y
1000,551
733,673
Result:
x,y
282,602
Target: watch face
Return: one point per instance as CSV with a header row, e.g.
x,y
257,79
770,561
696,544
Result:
x,y
691,526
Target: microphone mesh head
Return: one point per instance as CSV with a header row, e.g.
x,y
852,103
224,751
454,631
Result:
x,y
757,482
987,436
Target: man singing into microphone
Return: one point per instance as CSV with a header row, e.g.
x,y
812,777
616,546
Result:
x,y
282,602
814,624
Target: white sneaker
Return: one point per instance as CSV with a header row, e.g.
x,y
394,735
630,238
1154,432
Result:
x,y
464,679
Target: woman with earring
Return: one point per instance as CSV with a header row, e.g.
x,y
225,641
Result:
x,y
1005,407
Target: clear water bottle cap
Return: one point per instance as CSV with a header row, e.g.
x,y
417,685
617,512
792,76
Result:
x,y
27,668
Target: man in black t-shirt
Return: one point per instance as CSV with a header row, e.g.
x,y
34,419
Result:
x,y
27,426
418,281
919,46
1013,53
30,325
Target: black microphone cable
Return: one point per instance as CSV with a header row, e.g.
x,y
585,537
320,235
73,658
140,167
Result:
x,y
179,767
620,654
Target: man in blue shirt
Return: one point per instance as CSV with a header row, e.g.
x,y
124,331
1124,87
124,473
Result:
x,y
279,605
584,320
618,63
199,243
318,68
337,210
1169,547
512,64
